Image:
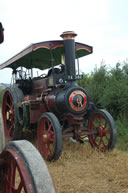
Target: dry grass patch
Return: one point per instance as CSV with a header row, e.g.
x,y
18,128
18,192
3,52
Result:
x,y
81,169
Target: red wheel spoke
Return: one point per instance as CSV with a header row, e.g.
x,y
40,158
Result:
x,y
51,132
11,128
49,150
51,136
104,143
106,122
49,126
93,125
100,141
50,143
8,105
52,139
99,119
45,149
10,179
20,187
108,139
106,132
13,112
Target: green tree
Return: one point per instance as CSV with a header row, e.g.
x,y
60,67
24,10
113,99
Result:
x,y
95,84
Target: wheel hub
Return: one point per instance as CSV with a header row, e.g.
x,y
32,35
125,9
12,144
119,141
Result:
x,y
45,138
9,115
101,131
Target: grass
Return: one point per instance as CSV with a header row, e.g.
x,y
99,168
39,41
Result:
x,y
82,169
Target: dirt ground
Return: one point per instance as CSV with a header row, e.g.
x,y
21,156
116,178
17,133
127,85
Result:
x,y
81,169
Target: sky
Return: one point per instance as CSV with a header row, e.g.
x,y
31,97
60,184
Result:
x,y
102,24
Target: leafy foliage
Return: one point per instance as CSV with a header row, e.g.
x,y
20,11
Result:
x,y
122,131
109,89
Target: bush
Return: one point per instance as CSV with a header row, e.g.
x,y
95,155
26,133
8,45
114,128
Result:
x,y
95,84
122,133
109,90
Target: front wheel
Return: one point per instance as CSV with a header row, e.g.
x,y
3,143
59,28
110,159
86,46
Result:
x,y
49,136
105,132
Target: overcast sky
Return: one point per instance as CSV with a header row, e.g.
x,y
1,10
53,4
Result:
x,y
102,24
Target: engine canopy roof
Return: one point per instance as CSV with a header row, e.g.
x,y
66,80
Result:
x,y
40,55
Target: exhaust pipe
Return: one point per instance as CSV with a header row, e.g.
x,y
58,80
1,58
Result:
x,y
69,51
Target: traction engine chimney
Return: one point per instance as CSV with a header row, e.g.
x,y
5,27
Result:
x,y
69,50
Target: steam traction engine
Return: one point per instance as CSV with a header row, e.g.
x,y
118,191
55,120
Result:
x,y
53,104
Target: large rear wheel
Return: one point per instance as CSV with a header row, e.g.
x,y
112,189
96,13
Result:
x,y
22,170
49,136
105,133
11,117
